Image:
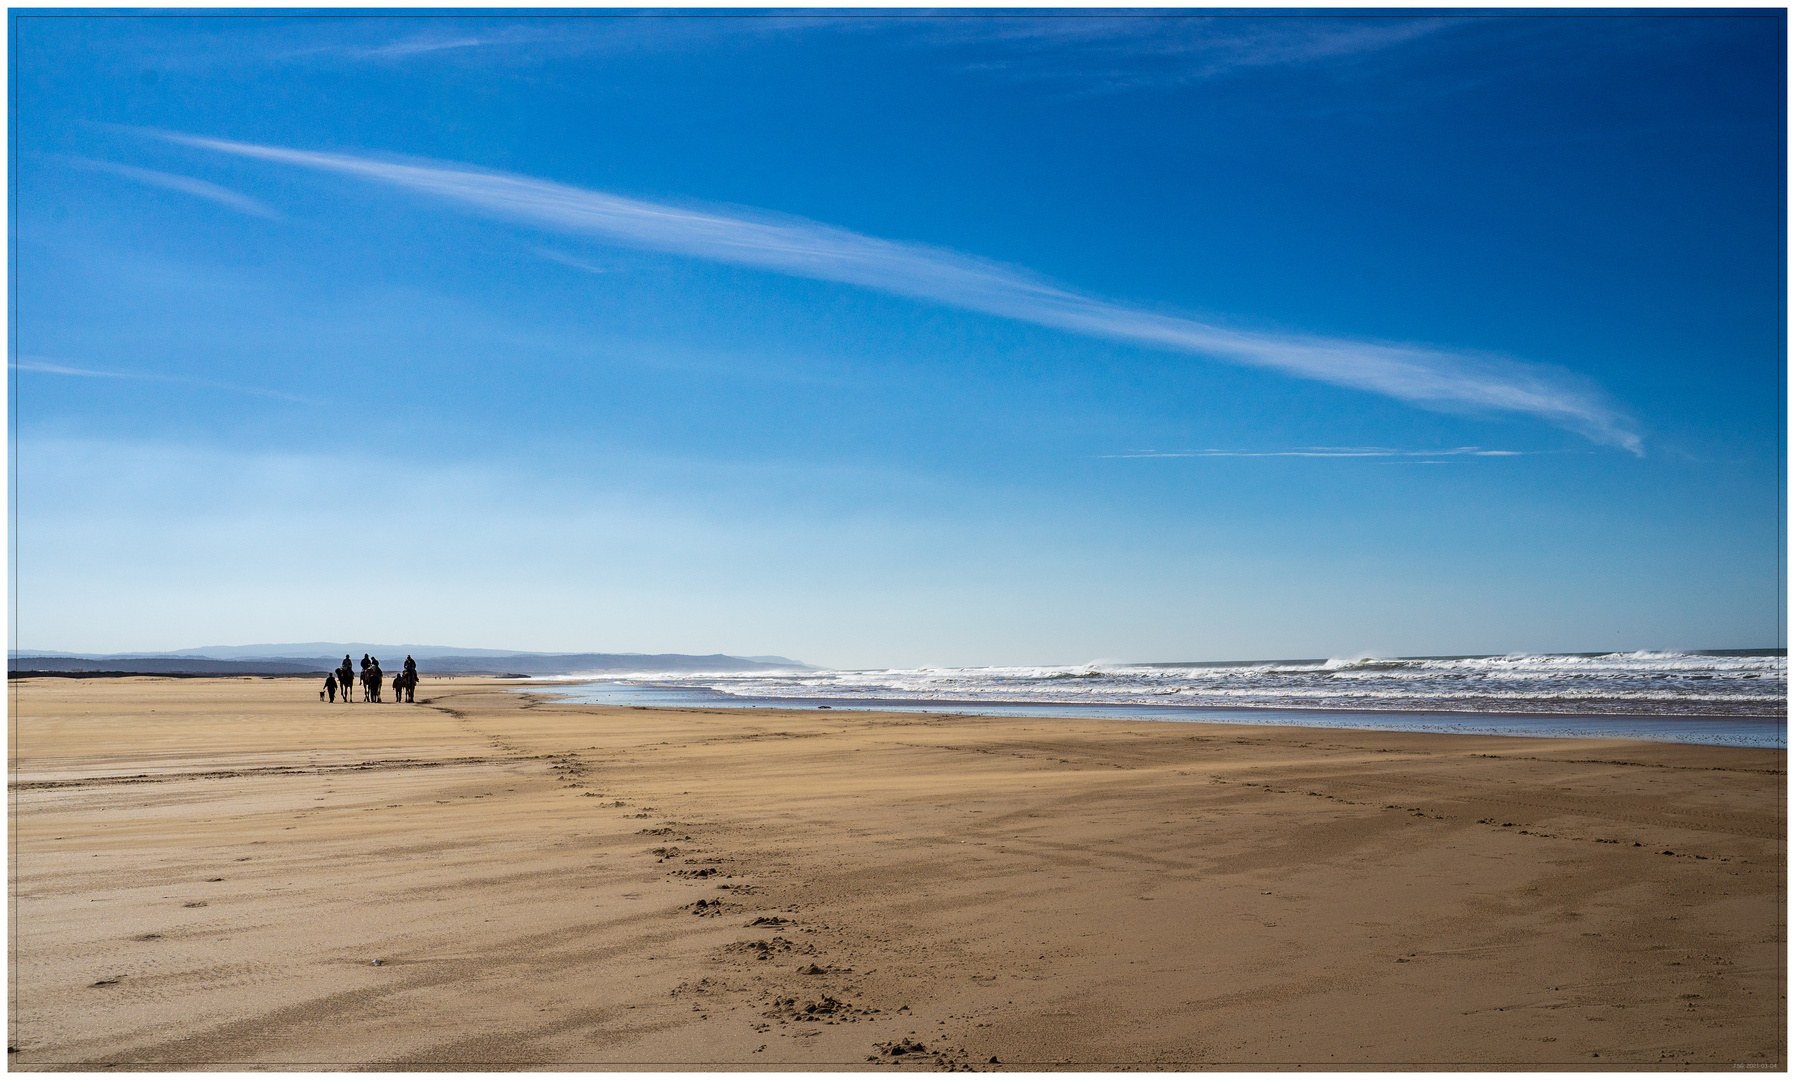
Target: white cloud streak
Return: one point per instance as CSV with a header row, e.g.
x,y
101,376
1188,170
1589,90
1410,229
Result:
x,y
1323,452
51,368
1101,51
1426,377
45,366
415,46
1128,51
187,185
568,260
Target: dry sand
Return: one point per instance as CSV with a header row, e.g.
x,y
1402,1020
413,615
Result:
x,y
204,870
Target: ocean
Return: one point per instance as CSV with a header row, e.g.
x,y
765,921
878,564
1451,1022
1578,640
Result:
x,y
1733,697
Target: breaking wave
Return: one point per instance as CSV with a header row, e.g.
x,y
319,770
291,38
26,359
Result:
x,y
1736,683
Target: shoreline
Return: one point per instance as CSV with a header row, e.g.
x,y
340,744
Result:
x,y
204,872
1765,731
908,703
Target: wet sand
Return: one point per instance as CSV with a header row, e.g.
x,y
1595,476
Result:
x,y
205,870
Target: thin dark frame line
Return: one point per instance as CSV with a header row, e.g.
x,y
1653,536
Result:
x,y
1736,13
787,1066
1782,442
12,403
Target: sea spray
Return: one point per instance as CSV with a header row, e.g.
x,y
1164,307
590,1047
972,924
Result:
x,y
1736,683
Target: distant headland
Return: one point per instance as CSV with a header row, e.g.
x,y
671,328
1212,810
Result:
x,y
317,657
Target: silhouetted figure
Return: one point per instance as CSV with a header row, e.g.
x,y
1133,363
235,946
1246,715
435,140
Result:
x,y
330,687
370,681
398,688
346,679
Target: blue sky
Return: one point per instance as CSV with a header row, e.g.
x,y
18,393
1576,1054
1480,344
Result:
x,y
874,340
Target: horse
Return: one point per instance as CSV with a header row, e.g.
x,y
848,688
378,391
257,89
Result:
x,y
408,682
370,683
346,682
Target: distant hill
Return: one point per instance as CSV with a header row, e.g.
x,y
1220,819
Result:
x,y
334,649
321,656
157,665
596,663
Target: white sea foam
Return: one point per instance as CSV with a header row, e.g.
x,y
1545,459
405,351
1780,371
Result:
x,y
1634,683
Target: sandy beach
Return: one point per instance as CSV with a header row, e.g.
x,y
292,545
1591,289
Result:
x,y
205,871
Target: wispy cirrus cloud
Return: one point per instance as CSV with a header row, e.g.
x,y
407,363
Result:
x,y
1323,452
568,260
1427,377
187,185
1126,50
419,45
48,366
529,38
1100,50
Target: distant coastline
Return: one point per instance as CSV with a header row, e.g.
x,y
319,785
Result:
x,y
316,658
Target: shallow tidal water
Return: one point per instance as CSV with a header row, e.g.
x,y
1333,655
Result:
x,y
1736,698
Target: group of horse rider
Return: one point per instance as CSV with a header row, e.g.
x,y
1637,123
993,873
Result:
x,y
405,683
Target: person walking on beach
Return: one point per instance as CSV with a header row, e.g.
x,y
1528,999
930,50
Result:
x,y
330,686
